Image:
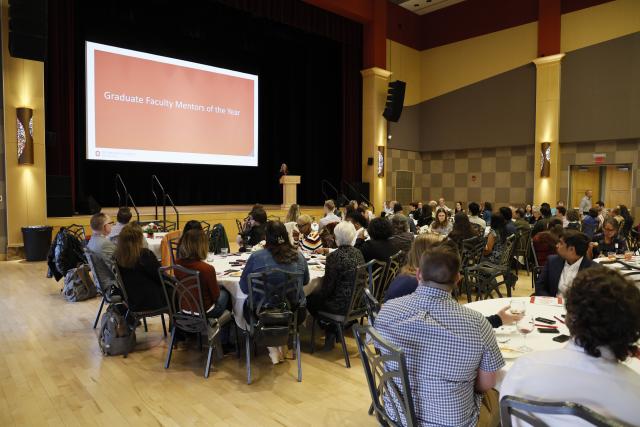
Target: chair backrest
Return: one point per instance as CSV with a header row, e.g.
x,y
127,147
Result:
x,y
373,306
102,283
358,281
387,377
533,254
472,251
522,245
274,289
377,274
478,230
120,282
206,227
164,247
240,226
508,250
78,232
393,267
526,410
184,298
173,249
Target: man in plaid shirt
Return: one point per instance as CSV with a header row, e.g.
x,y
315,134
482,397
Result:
x,y
451,352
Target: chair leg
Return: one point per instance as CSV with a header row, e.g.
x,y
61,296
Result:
x,y
171,344
164,327
298,356
247,344
313,335
237,334
95,323
208,367
144,321
344,346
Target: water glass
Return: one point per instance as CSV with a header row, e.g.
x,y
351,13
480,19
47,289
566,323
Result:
x,y
517,307
224,251
210,256
525,326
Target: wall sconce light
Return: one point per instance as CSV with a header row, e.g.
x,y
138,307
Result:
x,y
380,161
545,159
24,126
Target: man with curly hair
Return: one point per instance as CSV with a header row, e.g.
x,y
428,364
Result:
x,y
603,317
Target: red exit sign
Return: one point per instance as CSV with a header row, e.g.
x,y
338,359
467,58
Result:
x,y
599,158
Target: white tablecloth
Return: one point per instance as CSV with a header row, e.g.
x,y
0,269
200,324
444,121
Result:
x,y
535,340
231,279
624,270
154,243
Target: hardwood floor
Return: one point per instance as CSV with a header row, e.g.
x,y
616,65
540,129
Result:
x,y
53,373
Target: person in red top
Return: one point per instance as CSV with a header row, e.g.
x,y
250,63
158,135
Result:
x,y
191,255
544,243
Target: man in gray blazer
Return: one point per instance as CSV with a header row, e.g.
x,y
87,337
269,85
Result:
x,y
103,248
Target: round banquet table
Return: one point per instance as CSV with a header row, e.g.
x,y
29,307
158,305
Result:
x,y
228,276
630,273
509,339
154,243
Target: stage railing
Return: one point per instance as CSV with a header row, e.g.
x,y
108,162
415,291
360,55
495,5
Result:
x,y
155,184
326,185
119,184
361,197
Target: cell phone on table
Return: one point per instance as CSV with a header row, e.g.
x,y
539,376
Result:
x,y
545,320
561,338
548,331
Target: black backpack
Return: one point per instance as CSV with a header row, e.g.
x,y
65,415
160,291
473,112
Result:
x,y
218,239
117,331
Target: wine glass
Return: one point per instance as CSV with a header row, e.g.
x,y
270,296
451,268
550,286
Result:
x,y
517,307
525,327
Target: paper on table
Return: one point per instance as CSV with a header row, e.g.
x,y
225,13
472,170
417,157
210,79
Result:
x,y
557,301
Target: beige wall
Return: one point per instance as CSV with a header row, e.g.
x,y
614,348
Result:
x,y
23,82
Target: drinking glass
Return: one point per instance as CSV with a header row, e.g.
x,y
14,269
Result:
x,y
611,255
224,251
517,307
210,256
628,256
525,327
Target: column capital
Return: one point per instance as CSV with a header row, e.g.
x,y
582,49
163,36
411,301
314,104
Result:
x,y
377,72
548,60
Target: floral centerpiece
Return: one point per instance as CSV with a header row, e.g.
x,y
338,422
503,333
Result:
x,y
150,229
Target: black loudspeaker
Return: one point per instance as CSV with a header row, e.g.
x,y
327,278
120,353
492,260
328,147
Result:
x,y
359,189
28,29
395,100
59,202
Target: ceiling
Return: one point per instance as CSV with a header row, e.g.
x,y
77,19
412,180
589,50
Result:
x,y
422,7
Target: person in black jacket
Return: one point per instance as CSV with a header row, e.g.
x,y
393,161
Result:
x,y
378,247
139,271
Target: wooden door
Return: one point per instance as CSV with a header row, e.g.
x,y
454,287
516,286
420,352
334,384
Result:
x,y
617,189
582,179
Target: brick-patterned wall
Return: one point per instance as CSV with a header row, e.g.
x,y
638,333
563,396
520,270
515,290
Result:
x,y
618,152
499,175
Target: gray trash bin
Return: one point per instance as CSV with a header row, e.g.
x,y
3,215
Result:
x,y
37,240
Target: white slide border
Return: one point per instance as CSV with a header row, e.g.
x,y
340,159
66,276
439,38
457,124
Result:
x,y
118,154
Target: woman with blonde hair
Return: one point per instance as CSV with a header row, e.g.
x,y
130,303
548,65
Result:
x,y
293,214
138,268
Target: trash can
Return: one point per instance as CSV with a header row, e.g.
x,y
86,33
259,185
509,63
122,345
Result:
x,y
37,240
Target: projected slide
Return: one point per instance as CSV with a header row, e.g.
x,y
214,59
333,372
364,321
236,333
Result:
x,y
149,108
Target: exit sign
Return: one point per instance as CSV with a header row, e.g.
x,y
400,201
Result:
x,y
599,158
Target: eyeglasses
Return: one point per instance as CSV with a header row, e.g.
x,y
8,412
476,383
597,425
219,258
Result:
x,y
609,229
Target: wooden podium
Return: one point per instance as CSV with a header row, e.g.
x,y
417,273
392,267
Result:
x,y
289,190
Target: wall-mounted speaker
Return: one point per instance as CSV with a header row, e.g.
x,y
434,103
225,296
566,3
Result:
x,y
28,29
395,100
369,161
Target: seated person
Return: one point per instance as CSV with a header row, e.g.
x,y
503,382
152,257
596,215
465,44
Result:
x,y
545,242
190,225
123,217
561,214
139,271
329,214
426,216
192,255
254,231
521,223
103,248
461,230
399,210
402,238
509,225
627,224
573,220
334,296
603,317
360,222
496,240
542,223
590,223
450,350
560,270
378,246
609,240
474,216
307,236
441,225
278,253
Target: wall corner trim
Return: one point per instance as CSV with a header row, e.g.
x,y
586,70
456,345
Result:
x,y
544,60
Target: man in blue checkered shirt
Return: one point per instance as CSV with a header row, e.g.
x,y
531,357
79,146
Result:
x,y
451,352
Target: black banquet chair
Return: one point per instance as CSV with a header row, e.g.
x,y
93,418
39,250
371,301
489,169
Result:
x,y
387,377
273,306
356,310
526,410
186,292
102,283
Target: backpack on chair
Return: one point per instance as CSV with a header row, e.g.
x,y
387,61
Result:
x,y
78,285
117,331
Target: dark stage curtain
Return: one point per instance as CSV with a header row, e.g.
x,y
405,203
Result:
x,y
308,62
